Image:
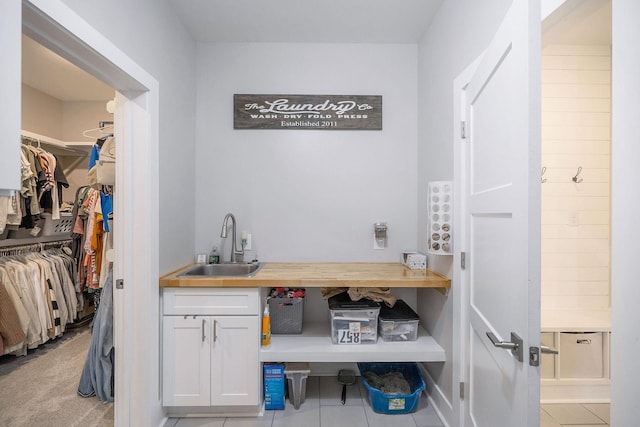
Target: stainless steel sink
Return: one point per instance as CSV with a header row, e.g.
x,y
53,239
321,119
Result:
x,y
224,270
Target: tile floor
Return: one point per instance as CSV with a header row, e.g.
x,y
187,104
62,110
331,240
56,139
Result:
x,y
322,408
574,415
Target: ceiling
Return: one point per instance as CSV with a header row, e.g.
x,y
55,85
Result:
x,y
57,77
304,21
329,21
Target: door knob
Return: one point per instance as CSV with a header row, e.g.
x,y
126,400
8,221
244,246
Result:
x,y
515,345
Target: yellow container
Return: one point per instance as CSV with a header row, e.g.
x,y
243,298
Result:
x,y
266,327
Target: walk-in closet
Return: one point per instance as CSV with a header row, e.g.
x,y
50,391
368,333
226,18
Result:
x,y
56,256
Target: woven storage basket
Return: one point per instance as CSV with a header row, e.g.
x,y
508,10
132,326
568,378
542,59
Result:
x,y
286,315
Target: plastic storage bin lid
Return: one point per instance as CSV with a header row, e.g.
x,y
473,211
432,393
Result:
x,y
343,302
400,311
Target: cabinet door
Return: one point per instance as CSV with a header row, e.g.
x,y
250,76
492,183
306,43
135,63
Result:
x,y
186,361
235,358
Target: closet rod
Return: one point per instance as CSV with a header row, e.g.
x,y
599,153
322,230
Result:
x,y
34,247
51,143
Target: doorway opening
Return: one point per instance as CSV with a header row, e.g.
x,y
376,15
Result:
x,y
55,27
576,212
59,104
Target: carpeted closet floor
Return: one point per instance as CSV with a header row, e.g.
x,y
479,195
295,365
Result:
x,y
40,389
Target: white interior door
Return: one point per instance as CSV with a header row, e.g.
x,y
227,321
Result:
x,y
10,79
501,211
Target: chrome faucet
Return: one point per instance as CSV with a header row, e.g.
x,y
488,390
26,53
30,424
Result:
x,y
236,256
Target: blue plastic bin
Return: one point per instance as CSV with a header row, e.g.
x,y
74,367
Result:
x,y
394,403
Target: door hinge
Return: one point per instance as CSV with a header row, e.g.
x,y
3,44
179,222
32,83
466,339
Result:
x,y
463,130
119,284
462,390
463,260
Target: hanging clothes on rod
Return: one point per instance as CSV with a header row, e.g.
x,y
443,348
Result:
x,y
42,181
33,247
38,295
91,237
105,134
50,177
102,162
95,210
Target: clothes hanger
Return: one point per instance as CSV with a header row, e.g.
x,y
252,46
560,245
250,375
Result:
x,y
104,131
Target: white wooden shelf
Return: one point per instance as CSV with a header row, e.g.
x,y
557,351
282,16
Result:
x,y
314,345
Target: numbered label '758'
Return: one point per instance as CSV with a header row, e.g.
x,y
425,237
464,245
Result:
x,y
345,336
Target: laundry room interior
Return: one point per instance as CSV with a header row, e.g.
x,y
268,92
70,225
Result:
x,y
66,111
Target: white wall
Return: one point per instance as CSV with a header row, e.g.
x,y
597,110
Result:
x,y
625,233
151,35
41,113
457,36
307,195
576,132
80,116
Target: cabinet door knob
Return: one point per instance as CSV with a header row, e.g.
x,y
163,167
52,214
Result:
x,y
203,324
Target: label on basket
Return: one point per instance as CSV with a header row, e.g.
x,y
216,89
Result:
x,y
345,336
396,404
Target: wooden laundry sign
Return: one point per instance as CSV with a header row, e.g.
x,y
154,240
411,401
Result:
x,y
340,112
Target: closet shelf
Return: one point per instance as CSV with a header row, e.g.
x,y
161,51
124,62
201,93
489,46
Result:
x,y
58,147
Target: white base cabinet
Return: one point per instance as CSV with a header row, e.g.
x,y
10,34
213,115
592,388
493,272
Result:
x,y
210,359
186,361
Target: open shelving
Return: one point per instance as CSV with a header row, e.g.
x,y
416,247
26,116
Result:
x,y
314,345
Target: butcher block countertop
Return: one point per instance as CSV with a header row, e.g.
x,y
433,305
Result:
x,y
310,275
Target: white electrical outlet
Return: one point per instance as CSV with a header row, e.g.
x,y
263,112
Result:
x,y
247,247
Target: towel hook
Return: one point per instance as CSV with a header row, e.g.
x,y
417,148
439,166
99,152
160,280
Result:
x,y
544,169
575,178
